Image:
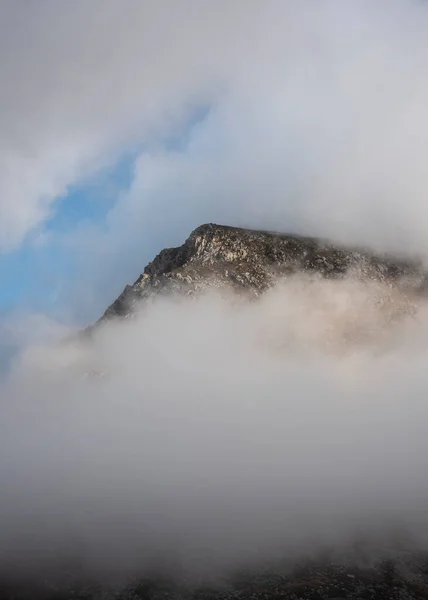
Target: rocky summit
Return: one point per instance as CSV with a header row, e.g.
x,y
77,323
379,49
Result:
x,y
251,262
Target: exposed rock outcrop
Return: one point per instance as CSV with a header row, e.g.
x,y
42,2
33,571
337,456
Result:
x,y
251,262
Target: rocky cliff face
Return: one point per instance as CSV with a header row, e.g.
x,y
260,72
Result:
x,y
251,262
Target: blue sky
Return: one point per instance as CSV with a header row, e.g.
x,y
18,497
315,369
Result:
x,y
34,275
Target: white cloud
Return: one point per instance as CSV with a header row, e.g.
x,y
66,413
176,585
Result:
x,y
319,111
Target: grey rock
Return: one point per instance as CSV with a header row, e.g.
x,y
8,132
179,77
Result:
x,y
251,262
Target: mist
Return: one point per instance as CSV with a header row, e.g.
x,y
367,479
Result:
x,y
207,433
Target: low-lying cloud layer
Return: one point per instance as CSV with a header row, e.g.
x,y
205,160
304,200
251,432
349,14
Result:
x,y
212,432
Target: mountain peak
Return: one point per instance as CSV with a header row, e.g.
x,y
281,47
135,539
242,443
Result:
x,y
252,261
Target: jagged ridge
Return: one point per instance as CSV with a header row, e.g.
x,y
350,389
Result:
x,y
252,261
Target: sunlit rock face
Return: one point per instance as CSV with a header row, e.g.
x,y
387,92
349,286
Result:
x,y
252,262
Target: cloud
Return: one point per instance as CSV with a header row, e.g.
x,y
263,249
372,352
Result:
x,y
318,112
80,83
218,433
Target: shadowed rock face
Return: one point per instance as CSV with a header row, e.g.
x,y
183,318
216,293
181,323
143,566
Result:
x,y
251,262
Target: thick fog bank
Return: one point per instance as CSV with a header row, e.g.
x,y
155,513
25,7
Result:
x,y
209,432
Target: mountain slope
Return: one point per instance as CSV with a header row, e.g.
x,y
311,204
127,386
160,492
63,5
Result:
x,y
251,262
